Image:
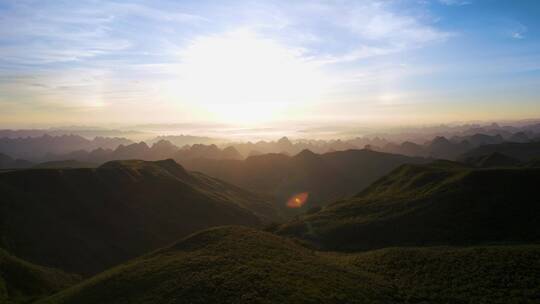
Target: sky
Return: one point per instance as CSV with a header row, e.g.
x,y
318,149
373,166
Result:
x,y
268,63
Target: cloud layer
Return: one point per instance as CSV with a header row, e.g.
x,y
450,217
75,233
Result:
x,y
206,60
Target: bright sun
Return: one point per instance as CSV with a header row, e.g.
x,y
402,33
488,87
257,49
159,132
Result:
x,y
242,78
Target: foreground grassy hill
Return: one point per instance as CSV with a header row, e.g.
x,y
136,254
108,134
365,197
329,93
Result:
x,y
243,265
481,274
228,265
22,282
86,220
325,177
441,203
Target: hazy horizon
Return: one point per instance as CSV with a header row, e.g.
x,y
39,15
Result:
x,y
232,133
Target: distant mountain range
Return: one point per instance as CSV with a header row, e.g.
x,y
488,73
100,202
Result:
x,y
79,131
46,147
86,220
40,146
324,177
186,140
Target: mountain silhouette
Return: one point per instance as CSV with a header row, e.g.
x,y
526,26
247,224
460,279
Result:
x,y
86,220
325,177
46,147
521,151
6,162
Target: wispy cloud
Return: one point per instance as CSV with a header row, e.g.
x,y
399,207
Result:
x,y
517,31
52,32
120,56
455,2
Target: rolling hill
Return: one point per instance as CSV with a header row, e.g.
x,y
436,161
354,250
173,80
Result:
x,y
441,203
325,177
86,220
22,282
229,265
243,265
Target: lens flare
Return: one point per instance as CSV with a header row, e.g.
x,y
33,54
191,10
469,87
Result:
x,y
297,200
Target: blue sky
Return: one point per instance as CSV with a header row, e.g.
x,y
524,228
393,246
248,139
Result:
x,y
250,63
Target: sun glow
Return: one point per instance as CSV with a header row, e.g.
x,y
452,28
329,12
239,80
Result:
x,y
241,77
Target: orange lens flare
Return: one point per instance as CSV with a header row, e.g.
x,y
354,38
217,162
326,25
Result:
x,y
297,200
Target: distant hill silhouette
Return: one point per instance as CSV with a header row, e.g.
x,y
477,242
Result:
x,y
441,147
85,220
185,140
23,282
206,152
521,151
7,162
46,146
84,132
242,265
325,177
64,164
159,150
441,203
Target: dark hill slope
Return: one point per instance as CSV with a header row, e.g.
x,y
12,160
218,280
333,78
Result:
x,y
493,160
326,177
7,162
229,265
241,265
441,203
86,220
485,274
20,281
521,151
64,164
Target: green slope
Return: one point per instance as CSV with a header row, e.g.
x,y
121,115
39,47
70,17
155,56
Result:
x,y
21,282
86,220
487,274
242,265
229,265
442,203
